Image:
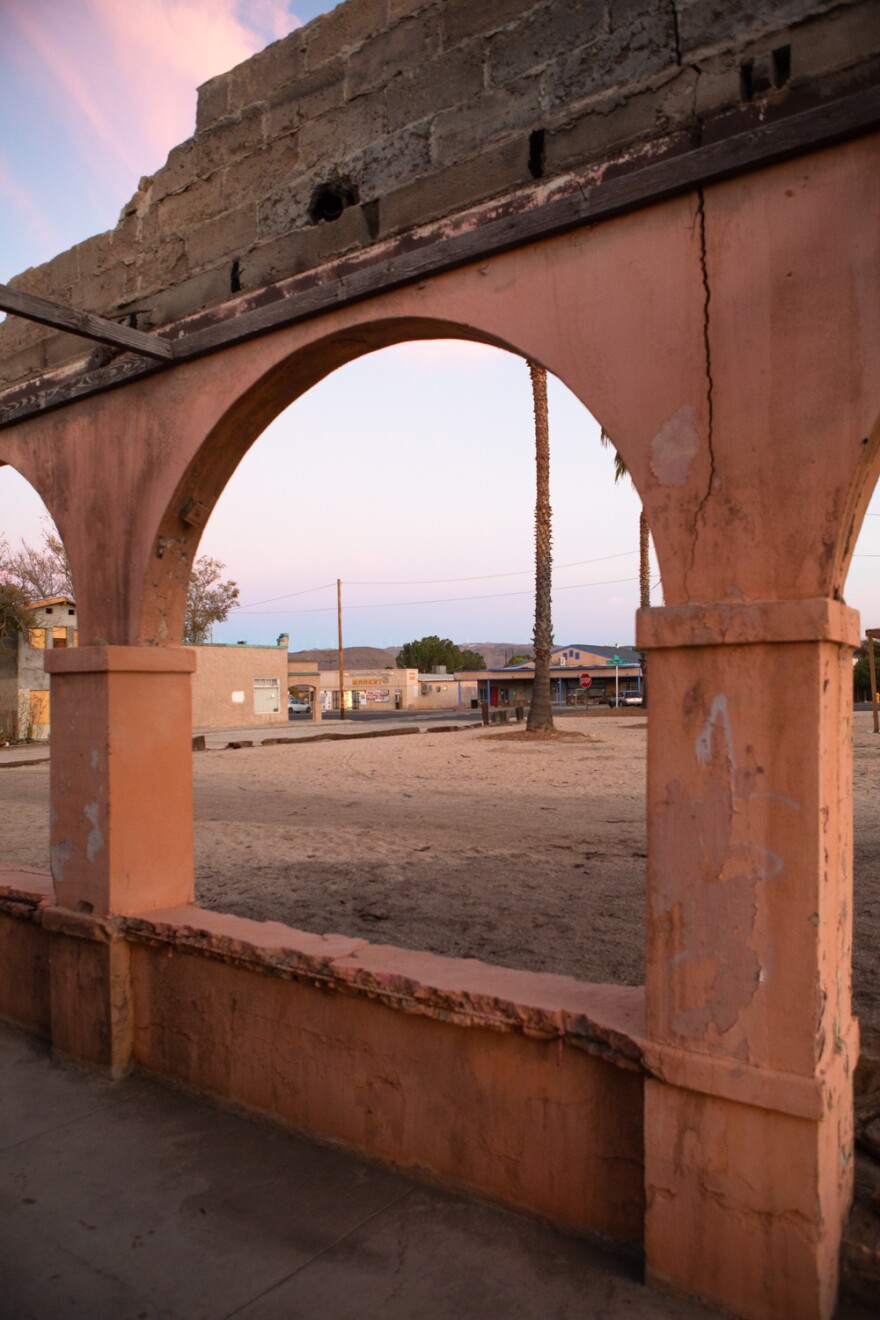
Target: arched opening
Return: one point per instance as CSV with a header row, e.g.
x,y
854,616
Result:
x,y
36,575
409,475
38,605
862,592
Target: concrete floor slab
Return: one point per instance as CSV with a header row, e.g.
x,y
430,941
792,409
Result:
x,y
131,1201
439,1256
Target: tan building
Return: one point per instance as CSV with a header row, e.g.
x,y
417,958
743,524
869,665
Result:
x,y
24,683
388,690
232,685
240,684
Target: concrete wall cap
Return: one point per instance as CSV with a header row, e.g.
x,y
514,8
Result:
x,y
748,623
121,659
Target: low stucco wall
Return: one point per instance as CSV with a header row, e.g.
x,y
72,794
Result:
x,y
25,951
522,1087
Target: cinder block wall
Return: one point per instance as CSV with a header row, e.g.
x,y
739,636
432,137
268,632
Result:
x,y
385,114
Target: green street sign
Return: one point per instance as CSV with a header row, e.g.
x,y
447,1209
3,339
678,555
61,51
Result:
x,y
616,661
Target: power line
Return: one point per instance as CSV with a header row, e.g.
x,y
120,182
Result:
x,y
443,600
425,582
290,595
484,577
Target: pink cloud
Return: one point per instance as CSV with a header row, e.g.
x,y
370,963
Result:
x,y
269,17
161,50
122,77
48,41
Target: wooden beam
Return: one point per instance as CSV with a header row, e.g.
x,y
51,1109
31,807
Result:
x,y
39,309
417,255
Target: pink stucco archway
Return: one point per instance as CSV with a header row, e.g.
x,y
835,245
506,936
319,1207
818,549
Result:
x,y
726,341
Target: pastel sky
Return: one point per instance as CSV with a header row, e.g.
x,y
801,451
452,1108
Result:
x,y
421,495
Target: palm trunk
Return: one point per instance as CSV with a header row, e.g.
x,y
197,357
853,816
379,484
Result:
x,y
644,590
540,711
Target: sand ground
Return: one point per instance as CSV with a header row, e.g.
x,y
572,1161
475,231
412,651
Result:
x,y
474,844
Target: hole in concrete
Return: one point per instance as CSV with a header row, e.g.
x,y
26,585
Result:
x,y
235,277
83,906
781,66
330,200
537,146
371,215
747,80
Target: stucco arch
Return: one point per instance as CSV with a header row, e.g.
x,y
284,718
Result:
x,y
622,329
592,309
247,416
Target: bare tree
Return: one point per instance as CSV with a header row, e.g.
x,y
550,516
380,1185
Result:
x,y
39,573
208,600
15,617
540,710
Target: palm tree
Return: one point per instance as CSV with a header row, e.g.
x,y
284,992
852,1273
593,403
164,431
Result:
x,y
620,471
540,710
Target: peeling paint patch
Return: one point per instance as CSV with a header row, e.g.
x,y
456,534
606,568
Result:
x,y
95,841
778,797
773,863
61,854
674,448
703,745
717,835
94,758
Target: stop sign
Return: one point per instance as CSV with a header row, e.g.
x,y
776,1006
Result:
x,y
585,680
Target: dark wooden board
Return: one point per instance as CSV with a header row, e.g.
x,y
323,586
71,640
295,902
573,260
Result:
x,y
39,309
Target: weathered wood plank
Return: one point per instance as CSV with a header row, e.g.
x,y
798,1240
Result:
x,y
83,323
467,237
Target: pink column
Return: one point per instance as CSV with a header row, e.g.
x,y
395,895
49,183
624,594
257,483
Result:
x,y
751,1043
121,778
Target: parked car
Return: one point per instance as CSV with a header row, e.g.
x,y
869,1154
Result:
x,y
297,707
627,699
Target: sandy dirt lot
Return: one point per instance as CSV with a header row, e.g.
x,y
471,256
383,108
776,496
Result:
x,y
529,854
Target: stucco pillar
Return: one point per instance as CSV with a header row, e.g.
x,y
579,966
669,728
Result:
x,y
121,778
751,1043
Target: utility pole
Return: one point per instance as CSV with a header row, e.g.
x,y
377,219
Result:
x,y
341,657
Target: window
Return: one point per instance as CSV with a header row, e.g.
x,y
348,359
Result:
x,y
267,696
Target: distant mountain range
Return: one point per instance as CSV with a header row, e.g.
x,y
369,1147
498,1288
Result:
x,y
356,657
